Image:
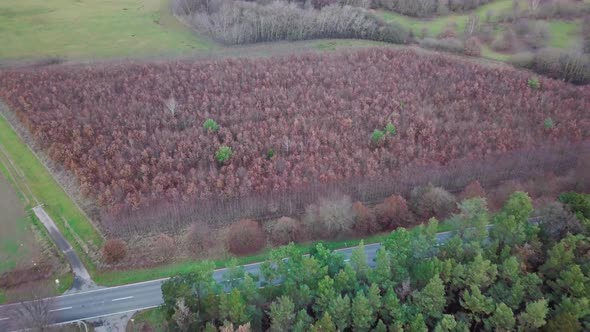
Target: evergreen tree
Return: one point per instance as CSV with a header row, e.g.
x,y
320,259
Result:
x,y
446,324
340,310
358,261
302,322
282,314
431,299
325,324
502,319
362,313
534,316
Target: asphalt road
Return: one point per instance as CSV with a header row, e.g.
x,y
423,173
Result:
x,y
82,280
121,299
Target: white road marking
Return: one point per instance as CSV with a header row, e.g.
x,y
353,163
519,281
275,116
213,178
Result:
x,y
106,315
5,318
122,298
60,309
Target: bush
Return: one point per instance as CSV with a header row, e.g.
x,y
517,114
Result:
x,y
114,251
390,129
445,45
377,136
242,22
211,125
506,43
365,222
534,83
586,35
164,248
421,8
198,239
223,154
570,66
429,201
523,60
472,47
330,218
548,123
284,231
473,190
245,237
392,213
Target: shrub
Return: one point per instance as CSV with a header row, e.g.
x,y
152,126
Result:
x,y
556,221
245,237
330,218
211,125
523,60
423,8
505,43
570,66
445,45
586,35
242,22
392,212
534,83
284,230
377,136
198,239
223,154
472,47
114,251
473,190
390,129
429,201
270,154
548,123
164,248
364,220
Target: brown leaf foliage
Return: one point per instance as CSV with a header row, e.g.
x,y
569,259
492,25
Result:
x,y
114,251
245,237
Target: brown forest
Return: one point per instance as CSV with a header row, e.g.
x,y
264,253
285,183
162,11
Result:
x,y
133,134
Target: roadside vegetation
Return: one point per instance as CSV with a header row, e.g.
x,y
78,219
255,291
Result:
x,y
37,186
27,256
523,274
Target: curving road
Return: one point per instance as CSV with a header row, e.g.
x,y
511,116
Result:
x,y
128,298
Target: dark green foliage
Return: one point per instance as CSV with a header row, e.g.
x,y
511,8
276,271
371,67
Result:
x,y
390,129
223,154
514,279
578,202
377,136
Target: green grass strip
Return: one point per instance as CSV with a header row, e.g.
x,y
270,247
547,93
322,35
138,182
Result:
x,y
42,185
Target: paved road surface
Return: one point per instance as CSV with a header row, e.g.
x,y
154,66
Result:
x,y
82,279
116,300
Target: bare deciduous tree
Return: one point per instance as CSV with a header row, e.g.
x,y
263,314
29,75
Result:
x,y
35,314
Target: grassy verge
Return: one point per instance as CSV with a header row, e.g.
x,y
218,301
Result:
x,y
114,278
92,28
154,318
43,188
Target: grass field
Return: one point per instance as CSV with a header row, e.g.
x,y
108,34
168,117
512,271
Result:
x,y
38,186
562,33
17,242
20,232
92,29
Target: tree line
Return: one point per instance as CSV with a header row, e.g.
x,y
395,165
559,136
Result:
x,y
520,275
